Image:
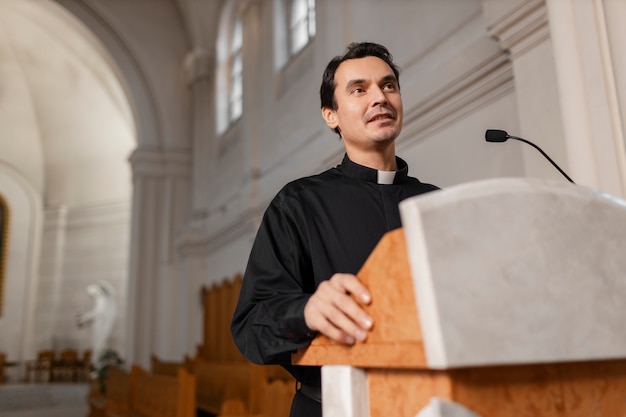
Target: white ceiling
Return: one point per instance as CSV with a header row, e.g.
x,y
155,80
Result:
x,y
65,123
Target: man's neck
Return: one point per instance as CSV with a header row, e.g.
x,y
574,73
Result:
x,y
382,160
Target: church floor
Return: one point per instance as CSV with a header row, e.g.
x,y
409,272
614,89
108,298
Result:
x,y
44,400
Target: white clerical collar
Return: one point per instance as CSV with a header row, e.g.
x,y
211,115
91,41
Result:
x,y
386,177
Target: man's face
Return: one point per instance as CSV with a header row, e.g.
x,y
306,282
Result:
x,y
369,105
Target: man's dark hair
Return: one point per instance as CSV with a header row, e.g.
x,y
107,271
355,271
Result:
x,y
355,50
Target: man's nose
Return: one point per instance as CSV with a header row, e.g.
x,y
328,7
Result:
x,y
379,96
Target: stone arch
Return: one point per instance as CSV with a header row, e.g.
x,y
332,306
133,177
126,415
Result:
x,y
124,64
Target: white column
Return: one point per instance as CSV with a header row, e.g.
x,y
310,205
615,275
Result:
x,y
156,315
587,89
566,85
344,391
200,67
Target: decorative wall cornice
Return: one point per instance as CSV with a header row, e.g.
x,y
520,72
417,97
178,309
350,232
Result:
x,y
113,213
198,66
201,241
482,84
160,163
522,28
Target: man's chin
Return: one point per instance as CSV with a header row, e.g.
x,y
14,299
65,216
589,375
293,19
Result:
x,y
388,136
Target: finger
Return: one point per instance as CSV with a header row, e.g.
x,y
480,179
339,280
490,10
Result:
x,y
332,312
351,284
337,292
328,329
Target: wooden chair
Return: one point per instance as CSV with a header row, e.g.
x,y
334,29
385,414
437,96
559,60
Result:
x,y
2,361
65,368
84,367
41,367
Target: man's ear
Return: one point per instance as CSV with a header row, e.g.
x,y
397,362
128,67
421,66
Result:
x,y
330,116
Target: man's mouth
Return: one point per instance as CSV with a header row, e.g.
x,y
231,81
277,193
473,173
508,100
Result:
x,y
381,116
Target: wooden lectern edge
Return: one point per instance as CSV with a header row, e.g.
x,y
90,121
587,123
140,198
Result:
x,y
396,338
406,354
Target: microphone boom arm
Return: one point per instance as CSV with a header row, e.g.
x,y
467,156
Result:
x,y
544,154
496,135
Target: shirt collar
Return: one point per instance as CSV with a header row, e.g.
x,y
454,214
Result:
x,y
361,172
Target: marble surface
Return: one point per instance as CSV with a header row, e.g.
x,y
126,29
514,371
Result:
x,y
516,271
442,408
344,391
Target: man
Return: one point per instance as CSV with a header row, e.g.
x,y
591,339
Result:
x,y
318,231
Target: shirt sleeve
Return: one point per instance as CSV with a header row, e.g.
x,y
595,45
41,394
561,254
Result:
x,y
268,324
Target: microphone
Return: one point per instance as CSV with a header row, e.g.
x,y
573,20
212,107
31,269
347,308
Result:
x,y
494,135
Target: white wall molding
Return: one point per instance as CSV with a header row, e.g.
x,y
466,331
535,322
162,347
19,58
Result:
x,y
160,163
488,81
524,27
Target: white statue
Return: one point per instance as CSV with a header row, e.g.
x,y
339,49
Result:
x,y
100,317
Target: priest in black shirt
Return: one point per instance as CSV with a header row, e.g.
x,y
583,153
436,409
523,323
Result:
x,y
318,231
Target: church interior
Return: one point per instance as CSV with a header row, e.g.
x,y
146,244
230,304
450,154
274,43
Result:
x,y
142,140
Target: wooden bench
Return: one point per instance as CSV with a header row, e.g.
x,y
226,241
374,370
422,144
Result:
x,y
221,381
223,388
226,380
275,401
115,398
160,367
160,395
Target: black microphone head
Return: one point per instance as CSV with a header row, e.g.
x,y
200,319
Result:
x,y
494,135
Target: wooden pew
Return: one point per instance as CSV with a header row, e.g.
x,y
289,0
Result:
x,y
160,395
221,381
225,378
116,397
219,301
275,401
159,367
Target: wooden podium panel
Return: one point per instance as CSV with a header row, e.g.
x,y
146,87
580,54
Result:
x,y
400,382
395,340
577,389
498,299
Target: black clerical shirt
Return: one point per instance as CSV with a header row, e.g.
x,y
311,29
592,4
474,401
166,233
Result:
x,y
315,227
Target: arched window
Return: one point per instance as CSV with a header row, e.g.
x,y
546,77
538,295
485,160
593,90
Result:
x,y
4,242
301,24
229,74
294,28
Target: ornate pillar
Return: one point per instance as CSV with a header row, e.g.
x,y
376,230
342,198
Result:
x,y
200,68
594,131
565,86
157,307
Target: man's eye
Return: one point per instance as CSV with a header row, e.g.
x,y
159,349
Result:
x,y
357,90
389,86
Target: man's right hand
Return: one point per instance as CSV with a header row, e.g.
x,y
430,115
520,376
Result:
x,y
336,309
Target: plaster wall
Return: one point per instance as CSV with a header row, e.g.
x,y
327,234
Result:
x,y
81,246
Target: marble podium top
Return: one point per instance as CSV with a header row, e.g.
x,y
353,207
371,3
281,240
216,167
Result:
x,y
518,271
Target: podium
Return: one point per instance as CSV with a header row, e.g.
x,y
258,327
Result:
x,y
497,298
